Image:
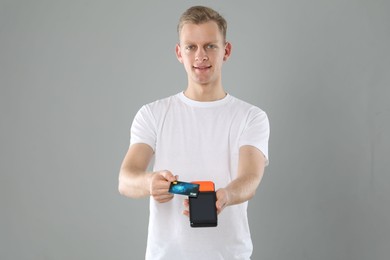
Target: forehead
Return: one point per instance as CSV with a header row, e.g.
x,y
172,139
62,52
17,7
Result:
x,y
204,32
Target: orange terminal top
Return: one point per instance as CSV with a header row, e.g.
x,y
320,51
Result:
x,y
205,185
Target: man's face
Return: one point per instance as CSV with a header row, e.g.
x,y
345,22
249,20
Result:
x,y
202,50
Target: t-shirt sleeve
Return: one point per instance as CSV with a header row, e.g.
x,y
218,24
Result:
x,y
143,128
256,132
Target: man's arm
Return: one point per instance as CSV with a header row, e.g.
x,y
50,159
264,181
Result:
x,y
250,172
136,182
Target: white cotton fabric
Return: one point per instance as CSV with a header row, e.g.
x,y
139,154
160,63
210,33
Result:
x,y
199,141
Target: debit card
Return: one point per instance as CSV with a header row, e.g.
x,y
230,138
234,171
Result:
x,y
184,188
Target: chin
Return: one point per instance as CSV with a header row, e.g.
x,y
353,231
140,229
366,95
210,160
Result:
x,y
202,81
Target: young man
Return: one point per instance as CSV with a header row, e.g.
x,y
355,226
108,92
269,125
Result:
x,y
202,133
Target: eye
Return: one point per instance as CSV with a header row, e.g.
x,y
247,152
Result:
x,y
189,47
211,46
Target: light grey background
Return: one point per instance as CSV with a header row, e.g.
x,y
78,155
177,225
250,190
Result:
x,y
74,73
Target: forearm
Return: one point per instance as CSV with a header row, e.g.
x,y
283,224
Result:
x,y
134,183
249,175
134,180
242,189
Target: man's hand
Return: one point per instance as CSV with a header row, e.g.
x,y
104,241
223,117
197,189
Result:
x,y
159,185
186,211
221,203
222,199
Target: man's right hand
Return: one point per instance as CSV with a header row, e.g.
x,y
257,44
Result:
x,y
159,185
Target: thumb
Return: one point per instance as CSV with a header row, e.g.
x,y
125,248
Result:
x,y
168,175
220,205
222,199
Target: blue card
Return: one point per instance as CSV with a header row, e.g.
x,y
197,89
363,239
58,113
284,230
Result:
x,y
184,188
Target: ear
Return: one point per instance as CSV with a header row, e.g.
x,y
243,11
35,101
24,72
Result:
x,y
228,51
178,53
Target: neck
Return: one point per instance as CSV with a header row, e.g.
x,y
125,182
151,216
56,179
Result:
x,y
205,93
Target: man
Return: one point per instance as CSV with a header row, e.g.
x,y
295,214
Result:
x,y
202,133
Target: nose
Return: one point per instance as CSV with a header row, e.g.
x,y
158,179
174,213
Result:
x,y
201,55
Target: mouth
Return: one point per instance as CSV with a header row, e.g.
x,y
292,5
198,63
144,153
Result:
x,y
201,68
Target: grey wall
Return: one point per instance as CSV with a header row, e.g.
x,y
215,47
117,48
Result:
x,y
74,73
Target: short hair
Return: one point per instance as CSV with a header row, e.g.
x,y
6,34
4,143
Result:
x,y
202,14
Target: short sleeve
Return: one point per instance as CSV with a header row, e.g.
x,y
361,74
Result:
x,y
143,128
256,131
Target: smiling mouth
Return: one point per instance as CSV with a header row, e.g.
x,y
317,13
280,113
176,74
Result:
x,y
201,67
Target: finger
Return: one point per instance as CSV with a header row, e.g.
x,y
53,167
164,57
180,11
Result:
x,y
163,198
221,202
218,207
186,213
161,185
168,176
161,189
160,192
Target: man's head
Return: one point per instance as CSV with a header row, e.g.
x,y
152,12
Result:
x,y
202,14
202,47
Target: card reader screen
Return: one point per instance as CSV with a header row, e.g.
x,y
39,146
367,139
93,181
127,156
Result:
x,y
202,209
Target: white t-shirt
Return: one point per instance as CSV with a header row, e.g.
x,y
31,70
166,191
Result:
x,y
199,141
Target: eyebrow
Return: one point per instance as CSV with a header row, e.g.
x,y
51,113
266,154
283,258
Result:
x,y
206,43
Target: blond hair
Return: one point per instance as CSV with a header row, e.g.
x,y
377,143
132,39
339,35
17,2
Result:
x,y
202,14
